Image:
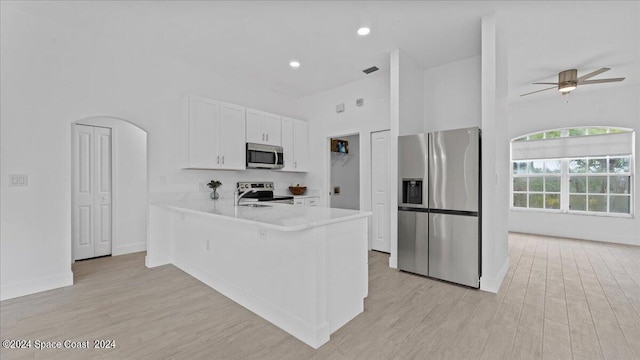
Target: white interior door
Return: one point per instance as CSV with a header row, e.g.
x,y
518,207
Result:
x,y
380,201
102,193
91,230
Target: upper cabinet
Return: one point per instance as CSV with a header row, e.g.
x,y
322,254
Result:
x,y
213,135
263,127
294,144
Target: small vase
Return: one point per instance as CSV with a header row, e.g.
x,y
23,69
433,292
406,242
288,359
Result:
x,y
214,194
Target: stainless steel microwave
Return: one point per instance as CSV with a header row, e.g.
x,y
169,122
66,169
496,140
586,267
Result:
x,y
260,156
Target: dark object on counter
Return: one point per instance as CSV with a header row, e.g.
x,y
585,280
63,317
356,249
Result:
x,y
297,190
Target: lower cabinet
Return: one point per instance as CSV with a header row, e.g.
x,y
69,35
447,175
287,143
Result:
x,y
307,201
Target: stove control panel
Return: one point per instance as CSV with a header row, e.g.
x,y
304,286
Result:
x,y
259,186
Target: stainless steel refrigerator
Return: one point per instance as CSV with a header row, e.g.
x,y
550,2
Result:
x,y
439,203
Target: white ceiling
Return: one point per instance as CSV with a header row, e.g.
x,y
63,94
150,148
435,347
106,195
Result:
x,y
256,40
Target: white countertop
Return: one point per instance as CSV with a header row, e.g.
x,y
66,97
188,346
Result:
x,y
283,217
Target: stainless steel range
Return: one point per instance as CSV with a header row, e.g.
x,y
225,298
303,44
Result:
x,y
263,191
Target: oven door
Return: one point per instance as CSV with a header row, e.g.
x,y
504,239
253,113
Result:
x,y
261,156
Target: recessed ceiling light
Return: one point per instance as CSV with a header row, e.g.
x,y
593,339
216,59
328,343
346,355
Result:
x,y
364,31
294,64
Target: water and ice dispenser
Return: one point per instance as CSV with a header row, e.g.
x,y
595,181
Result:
x,y
412,191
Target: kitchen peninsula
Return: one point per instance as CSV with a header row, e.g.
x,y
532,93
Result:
x,y
302,268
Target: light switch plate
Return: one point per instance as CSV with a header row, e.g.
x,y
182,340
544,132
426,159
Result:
x,y
340,108
19,180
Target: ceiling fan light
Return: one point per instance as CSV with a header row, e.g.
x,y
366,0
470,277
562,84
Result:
x,y
566,88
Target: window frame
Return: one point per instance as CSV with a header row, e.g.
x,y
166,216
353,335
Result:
x,y
565,177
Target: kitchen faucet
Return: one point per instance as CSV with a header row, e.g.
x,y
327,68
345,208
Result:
x,y
237,196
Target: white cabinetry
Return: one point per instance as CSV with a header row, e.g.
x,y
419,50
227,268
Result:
x,y
306,201
312,201
213,135
263,127
294,144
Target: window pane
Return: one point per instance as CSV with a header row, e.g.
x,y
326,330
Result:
x,y
578,184
578,166
535,183
552,184
614,131
519,167
619,204
597,184
520,200
552,134
520,184
577,132
619,184
536,167
619,165
520,139
578,202
597,165
535,201
598,203
552,201
597,131
537,136
552,166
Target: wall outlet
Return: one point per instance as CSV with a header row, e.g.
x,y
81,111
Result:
x,y
262,234
360,102
336,190
18,180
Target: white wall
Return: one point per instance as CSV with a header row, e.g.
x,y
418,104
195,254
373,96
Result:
x,y
614,106
495,155
452,95
319,110
407,117
52,76
411,96
345,173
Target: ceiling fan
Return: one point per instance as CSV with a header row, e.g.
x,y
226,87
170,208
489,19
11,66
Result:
x,y
568,80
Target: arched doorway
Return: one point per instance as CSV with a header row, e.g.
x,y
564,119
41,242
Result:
x,y
118,213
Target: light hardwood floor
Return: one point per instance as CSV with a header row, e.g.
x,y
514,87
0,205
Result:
x,y
561,299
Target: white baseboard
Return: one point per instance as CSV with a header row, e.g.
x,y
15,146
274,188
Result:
x,y
151,261
36,285
492,284
128,249
304,331
393,262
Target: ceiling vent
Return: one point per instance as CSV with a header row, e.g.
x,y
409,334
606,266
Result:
x,y
370,70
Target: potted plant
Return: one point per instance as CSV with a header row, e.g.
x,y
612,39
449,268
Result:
x,y
214,184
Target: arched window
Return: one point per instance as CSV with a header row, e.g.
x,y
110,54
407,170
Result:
x,y
574,170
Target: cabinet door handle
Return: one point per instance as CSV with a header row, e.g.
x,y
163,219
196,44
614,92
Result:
x,y
295,164
267,137
223,159
218,159
262,136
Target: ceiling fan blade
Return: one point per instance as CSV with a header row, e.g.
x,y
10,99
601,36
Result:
x,y
600,81
545,83
592,74
533,92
